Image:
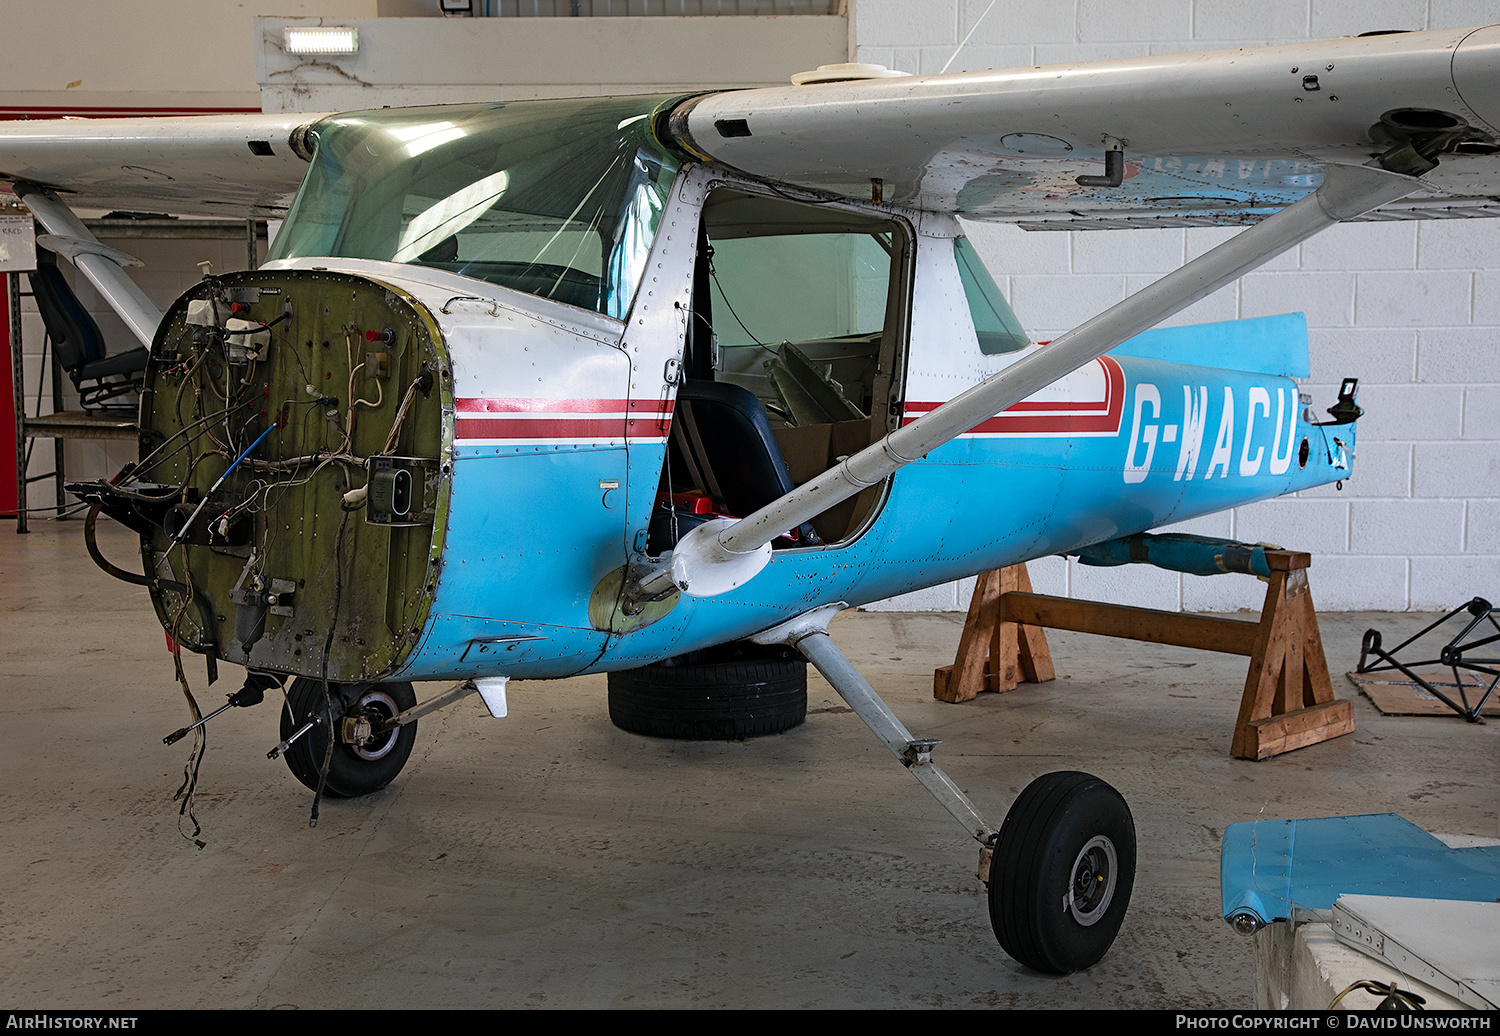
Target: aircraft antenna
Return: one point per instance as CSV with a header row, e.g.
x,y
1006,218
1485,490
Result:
x,y
964,42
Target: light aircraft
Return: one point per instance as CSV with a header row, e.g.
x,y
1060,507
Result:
x,y
654,386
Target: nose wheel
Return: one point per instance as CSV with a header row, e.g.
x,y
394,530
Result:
x,y
1062,873
363,760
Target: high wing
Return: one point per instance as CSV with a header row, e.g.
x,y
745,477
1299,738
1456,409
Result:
x,y
1207,139
219,165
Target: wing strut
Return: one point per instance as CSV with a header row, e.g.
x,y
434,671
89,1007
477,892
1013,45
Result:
x,y
98,262
718,556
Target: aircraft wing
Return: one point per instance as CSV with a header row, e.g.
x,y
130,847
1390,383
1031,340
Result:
x,y
219,165
1207,139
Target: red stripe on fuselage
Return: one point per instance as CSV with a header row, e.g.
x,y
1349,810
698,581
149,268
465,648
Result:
x,y
560,430
485,417
495,405
560,420
1062,417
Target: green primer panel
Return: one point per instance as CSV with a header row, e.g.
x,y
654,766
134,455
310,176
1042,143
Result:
x,y
341,358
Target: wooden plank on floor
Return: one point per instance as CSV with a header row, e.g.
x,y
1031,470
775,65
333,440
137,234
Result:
x,y
1298,729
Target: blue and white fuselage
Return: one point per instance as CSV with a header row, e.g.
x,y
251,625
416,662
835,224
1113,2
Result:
x,y
561,420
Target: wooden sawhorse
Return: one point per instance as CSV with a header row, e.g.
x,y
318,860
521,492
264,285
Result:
x,y
1288,700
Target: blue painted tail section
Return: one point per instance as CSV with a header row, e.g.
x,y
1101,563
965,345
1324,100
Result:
x,y
1261,345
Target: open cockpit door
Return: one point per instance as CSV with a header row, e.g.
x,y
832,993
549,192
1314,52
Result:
x,y
793,357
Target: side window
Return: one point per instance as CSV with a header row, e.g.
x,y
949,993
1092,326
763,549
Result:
x,y
800,287
996,325
799,297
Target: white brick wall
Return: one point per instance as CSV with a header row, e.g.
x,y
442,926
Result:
x,y
1413,310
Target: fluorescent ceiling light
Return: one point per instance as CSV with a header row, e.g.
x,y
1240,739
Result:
x,y
320,40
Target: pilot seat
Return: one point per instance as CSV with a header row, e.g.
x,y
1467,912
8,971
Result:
x,y
722,459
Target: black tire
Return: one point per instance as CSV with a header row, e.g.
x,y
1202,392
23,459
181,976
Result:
x,y
1062,872
354,770
728,694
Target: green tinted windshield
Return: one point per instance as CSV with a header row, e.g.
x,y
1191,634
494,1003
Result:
x,y
555,198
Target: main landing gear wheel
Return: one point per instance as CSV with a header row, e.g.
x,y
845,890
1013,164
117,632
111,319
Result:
x,y
361,765
1062,872
721,694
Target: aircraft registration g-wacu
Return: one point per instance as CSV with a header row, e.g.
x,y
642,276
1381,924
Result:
x,y
654,386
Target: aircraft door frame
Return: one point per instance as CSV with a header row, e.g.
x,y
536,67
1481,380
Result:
x,y
653,342
657,332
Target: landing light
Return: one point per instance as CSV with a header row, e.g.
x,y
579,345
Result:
x,y
320,40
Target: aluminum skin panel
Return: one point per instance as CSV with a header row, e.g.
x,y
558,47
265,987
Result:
x,y
542,423
1268,345
1237,133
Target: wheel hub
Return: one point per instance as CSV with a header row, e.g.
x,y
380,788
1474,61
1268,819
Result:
x,y
359,726
1092,886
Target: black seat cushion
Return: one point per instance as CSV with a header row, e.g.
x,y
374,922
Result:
x,y
738,445
79,346
726,428
75,336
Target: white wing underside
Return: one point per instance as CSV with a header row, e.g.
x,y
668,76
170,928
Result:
x,y
1212,138
213,165
1209,139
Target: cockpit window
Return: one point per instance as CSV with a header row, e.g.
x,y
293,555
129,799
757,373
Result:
x,y
554,198
995,324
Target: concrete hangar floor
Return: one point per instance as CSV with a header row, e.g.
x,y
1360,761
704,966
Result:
x,y
551,860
